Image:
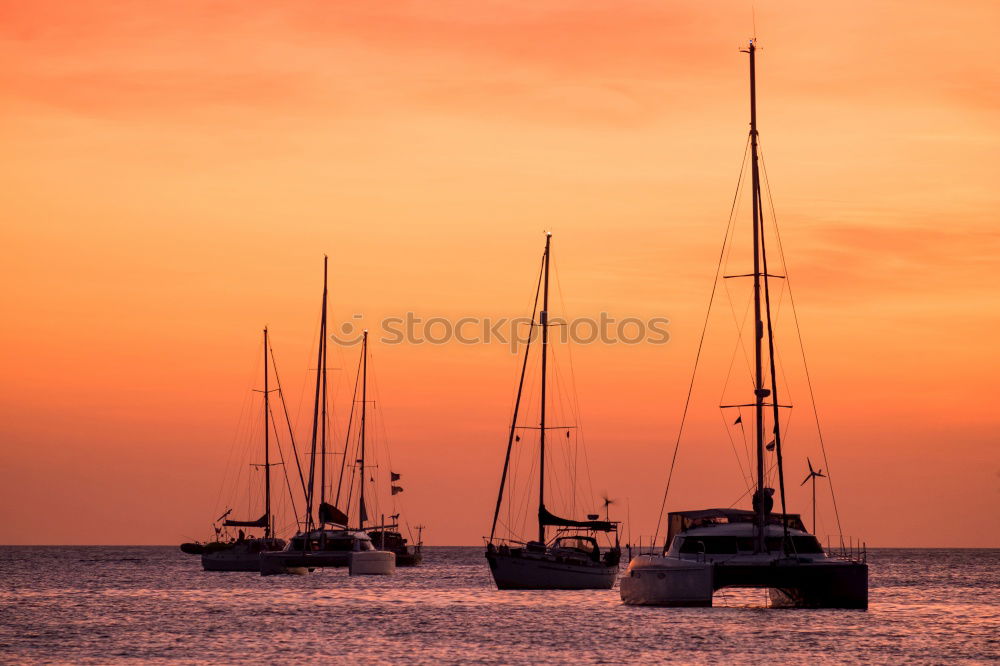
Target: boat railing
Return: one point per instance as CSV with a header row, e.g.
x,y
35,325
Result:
x,y
843,547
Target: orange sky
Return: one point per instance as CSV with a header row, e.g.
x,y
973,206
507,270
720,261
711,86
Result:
x,y
172,179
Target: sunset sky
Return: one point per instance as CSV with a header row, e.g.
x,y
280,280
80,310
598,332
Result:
x,y
175,172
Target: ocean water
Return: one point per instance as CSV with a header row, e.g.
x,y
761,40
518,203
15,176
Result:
x,y
112,605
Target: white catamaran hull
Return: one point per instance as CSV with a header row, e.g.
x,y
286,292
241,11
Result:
x,y
529,573
669,581
660,581
373,563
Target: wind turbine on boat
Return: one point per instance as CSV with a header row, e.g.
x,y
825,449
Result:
x,y
607,503
813,474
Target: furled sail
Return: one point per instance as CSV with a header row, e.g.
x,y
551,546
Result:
x,y
328,513
546,517
260,522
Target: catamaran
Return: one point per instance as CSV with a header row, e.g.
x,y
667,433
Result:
x,y
572,559
327,540
710,549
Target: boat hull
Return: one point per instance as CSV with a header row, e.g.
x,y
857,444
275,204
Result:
x,y
652,581
669,581
793,584
512,572
240,556
283,563
229,561
372,563
306,561
409,559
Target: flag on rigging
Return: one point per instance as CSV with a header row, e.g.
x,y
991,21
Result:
x,y
770,445
739,419
397,489
393,476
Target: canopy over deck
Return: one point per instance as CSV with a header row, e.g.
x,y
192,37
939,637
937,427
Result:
x,y
679,521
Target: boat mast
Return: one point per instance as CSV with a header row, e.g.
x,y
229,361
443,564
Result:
x,y
543,321
759,391
267,447
512,433
364,412
321,357
323,405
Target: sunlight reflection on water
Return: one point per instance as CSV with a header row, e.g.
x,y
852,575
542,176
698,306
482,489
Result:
x,y
104,605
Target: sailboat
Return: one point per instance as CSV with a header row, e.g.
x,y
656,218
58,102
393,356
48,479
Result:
x,y
326,540
572,559
710,549
242,553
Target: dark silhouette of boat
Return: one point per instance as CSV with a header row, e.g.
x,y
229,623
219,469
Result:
x,y
242,552
572,559
711,549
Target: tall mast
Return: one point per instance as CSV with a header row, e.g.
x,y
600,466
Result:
x,y
323,401
364,412
543,321
321,357
759,391
267,446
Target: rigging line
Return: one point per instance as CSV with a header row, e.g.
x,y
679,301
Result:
x,y
347,435
734,212
517,404
281,453
241,420
748,492
284,408
743,475
575,407
383,430
738,347
739,322
568,405
743,434
729,242
559,412
802,349
697,358
305,383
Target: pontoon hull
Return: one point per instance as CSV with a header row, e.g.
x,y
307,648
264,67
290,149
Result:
x,y
372,563
653,581
239,556
512,572
230,561
668,581
308,560
276,565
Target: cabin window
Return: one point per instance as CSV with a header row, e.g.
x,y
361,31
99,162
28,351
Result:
x,y
806,545
710,545
584,545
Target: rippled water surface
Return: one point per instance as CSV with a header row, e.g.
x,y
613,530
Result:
x,y
148,604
